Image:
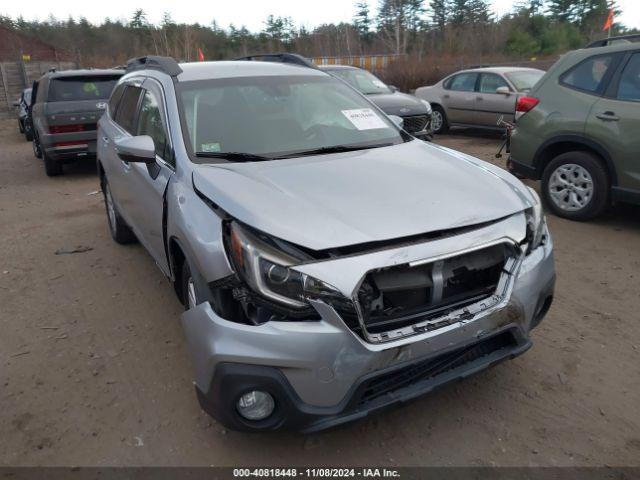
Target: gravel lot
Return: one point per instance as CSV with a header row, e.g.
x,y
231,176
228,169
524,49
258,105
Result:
x,y
94,369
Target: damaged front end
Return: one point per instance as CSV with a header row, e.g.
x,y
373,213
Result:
x,y
334,335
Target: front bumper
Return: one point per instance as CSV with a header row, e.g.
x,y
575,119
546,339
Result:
x,y
317,371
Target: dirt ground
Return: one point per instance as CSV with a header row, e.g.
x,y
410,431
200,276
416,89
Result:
x,y
94,369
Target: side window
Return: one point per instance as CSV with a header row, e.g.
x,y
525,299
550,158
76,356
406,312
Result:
x,y
150,123
116,95
589,74
490,82
127,108
465,82
629,88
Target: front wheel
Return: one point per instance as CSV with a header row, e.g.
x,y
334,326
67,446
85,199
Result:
x,y
575,185
37,149
20,126
439,122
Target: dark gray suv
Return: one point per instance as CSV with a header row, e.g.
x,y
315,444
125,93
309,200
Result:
x,y
65,112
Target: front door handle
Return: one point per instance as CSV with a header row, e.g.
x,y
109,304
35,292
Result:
x,y
447,96
479,98
105,140
608,116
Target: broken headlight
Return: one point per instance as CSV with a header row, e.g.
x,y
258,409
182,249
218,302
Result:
x,y
267,270
536,223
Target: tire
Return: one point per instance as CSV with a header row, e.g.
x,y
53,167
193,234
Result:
x,y
20,126
37,149
28,136
441,126
120,231
188,287
575,185
52,167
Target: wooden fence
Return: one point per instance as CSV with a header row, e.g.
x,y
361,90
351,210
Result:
x,y
16,76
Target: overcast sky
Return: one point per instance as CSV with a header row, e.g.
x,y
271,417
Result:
x,y
250,13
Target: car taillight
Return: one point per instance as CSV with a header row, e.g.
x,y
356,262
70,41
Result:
x,y
526,104
80,127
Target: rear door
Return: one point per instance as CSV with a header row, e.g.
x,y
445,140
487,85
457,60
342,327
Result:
x,y
122,122
145,185
614,121
460,97
490,106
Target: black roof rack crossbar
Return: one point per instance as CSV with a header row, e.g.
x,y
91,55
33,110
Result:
x,y
292,58
608,41
165,64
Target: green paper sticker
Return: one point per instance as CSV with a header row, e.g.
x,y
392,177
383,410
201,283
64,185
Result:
x,y
210,147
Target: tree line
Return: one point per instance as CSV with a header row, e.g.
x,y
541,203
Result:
x,y
424,30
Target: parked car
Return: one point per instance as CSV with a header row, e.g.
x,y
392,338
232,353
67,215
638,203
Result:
x,y
577,130
478,97
65,113
330,264
415,113
22,108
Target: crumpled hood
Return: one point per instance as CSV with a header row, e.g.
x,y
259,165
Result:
x,y
343,199
398,103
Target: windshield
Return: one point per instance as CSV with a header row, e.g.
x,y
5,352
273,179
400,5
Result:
x,y
524,80
92,87
278,115
361,80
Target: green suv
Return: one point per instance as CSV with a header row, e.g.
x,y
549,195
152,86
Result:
x,y
578,130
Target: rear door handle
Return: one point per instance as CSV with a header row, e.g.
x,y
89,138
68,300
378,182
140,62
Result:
x,y
608,116
447,96
479,98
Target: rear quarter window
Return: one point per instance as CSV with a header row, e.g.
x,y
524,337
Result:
x,y
68,89
589,75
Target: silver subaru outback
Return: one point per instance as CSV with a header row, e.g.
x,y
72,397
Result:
x,y
330,264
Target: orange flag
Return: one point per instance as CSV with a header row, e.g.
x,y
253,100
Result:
x,y
200,55
609,23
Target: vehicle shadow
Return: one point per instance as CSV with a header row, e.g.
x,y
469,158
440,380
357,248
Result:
x,y
81,168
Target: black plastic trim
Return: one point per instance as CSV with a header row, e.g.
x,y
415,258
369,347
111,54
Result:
x,y
233,379
626,195
579,139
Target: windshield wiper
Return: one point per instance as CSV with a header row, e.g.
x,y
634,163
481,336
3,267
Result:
x,y
333,149
234,156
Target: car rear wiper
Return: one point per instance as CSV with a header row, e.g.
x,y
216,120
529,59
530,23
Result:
x,y
332,149
234,156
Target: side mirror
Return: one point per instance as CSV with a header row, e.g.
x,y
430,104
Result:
x,y
140,149
503,90
393,88
399,121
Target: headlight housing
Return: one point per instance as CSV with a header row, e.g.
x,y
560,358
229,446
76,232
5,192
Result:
x,y
428,105
267,271
536,223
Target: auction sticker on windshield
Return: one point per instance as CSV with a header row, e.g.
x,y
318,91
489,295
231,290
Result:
x,y
364,119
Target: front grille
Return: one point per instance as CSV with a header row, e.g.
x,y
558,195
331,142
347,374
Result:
x,y
413,298
415,123
432,367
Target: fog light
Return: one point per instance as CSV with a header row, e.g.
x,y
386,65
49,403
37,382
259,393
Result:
x,y
255,405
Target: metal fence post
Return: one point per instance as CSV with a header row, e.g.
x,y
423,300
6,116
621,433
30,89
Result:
x,y
4,84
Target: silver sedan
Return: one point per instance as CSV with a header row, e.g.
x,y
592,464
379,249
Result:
x,y
478,97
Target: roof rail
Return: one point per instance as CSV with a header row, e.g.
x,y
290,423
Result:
x,y
292,58
608,41
165,64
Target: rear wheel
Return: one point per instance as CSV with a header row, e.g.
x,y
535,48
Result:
x,y
21,126
439,122
52,167
575,185
120,231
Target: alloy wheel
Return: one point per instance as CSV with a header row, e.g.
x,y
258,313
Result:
x,y
571,187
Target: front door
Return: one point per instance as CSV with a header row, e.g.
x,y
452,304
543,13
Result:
x,y
146,184
490,105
